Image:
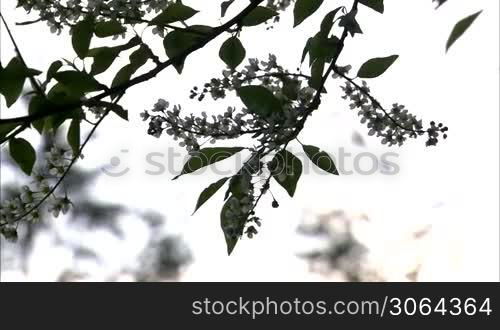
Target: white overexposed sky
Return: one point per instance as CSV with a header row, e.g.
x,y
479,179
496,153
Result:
x,y
452,187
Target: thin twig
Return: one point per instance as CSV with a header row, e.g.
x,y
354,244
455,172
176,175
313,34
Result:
x,y
66,172
375,102
33,81
144,77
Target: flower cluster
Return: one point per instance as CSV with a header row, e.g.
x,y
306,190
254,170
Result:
x,y
26,204
279,5
269,73
98,112
270,131
58,14
395,126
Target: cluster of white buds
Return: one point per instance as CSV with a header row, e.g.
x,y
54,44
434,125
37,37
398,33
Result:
x,y
270,131
25,204
98,112
280,5
62,13
395,126
268,73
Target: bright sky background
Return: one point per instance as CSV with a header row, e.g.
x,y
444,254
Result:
x,y
453,187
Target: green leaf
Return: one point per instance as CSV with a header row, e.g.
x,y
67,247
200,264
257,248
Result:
x,y
306,50
209,192
377,5
239,185
74,136
78,82
321,159
123,75
225,6
439,3
139,57
82,36
54,122
258,16
317,74
303,9
350,23
109,29
207,156
322,48
259,100
120,112
5,129
12,80
60,96
23,154
174,13
286,170
177,42
54,67
376,66
291,88
38,104
460,28
31,72
103,59
232,52
230,225
328,21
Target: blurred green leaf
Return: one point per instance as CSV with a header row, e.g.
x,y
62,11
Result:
x,y
74,136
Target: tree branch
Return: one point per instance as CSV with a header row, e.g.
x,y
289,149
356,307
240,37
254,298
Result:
x,y
66,172
142,78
